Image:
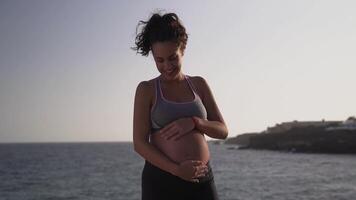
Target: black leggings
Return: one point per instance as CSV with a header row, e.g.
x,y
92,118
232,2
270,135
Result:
x,y
158,184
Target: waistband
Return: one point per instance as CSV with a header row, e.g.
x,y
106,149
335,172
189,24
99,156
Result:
x,y
153,169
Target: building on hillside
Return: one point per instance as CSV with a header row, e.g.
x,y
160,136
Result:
x,y
348,124
285,126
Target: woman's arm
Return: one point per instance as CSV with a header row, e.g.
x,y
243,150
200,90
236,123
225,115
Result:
x,y
141,131
188,170
214,126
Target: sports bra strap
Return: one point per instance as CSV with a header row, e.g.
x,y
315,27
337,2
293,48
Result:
x,y
192,87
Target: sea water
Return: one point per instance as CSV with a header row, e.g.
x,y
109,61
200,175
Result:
x,y
112,171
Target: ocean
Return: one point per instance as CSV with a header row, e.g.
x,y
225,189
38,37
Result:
x,y
112,171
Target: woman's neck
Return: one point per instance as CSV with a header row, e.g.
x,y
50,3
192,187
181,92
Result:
x,y
177,80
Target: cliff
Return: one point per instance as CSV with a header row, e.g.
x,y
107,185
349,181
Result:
x,y
306,139
241,140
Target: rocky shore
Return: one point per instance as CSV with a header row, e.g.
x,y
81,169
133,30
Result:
x,y
300,139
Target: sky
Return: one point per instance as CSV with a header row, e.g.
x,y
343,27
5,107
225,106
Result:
x,y
67,72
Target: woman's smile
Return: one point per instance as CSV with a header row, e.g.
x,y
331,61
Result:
x,y
171,71
168,57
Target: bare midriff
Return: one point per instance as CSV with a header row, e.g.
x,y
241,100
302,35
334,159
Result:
x,y
192,146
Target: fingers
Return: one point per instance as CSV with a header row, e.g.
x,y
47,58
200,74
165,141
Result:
x,y
194,180
168,134
183,130
172,134
193,169
196,162
201,167
193,162
176,129
176,136
169,131
200,170
201,173
166,128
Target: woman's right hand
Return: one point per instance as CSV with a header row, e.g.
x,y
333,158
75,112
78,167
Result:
x,y
177,129
191,170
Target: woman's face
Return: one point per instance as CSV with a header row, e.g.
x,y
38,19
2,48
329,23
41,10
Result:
x,y
168,58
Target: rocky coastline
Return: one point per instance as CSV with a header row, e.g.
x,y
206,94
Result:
x,y
310,139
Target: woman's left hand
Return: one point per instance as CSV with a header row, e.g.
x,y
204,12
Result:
x,y
177,129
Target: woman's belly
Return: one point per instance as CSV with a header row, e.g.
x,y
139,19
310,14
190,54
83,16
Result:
x,y
192,146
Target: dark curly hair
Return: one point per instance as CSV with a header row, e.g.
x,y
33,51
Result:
x,y
159,28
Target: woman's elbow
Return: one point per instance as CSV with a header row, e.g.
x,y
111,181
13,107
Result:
x,y
223,136
138,144
225,133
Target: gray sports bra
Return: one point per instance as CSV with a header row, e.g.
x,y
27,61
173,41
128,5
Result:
x,y
164,111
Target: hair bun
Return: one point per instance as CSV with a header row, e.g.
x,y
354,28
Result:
x,y
160,28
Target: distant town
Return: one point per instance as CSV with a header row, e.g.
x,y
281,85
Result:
x,y
302,136
348,124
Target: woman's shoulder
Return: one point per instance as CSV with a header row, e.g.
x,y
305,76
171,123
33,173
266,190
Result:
x,y
146,84
146,87
200,85
198,81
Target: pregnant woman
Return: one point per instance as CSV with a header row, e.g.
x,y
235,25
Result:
x,y
172,114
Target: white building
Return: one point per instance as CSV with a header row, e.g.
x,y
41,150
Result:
x,y
349,124
285,126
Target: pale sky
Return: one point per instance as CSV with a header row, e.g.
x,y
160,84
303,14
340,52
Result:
x,y
67,72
